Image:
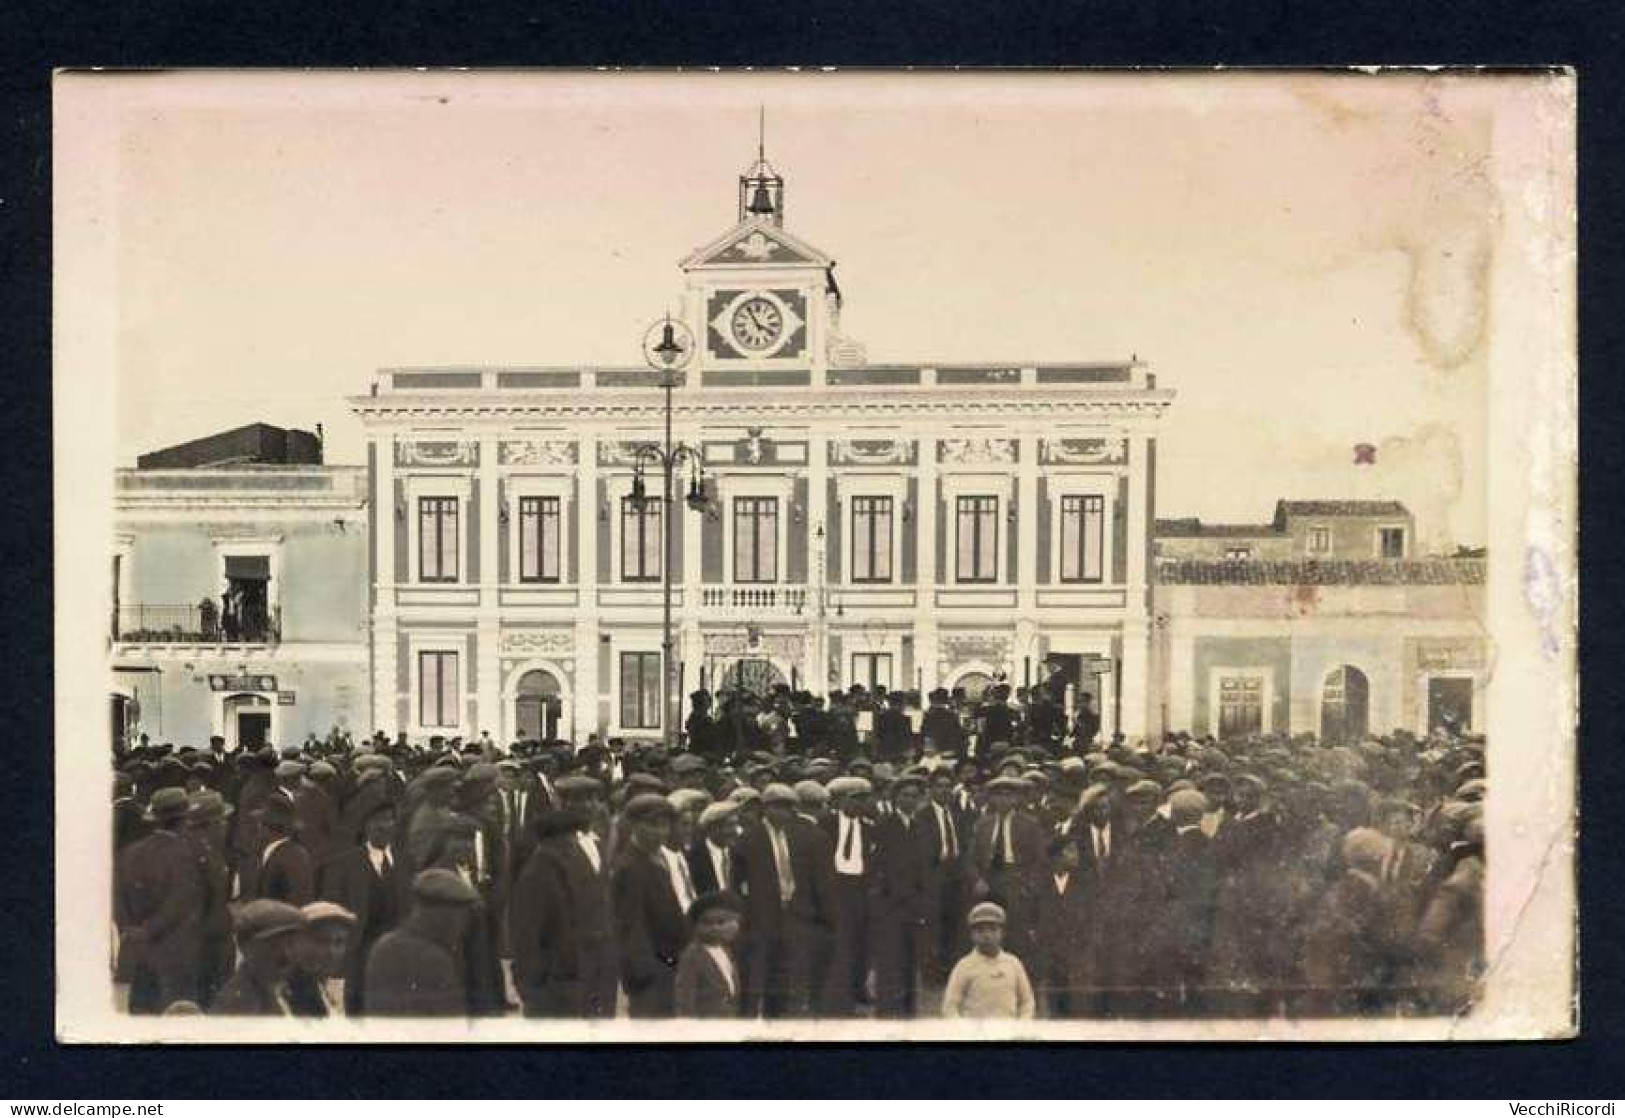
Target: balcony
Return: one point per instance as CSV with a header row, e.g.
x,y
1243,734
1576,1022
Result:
x,y
197,624
754,601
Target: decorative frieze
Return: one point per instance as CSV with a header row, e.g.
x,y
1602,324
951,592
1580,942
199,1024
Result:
x,y
976,452
1082,452
439,452
992,648
539,642
872,452
537,452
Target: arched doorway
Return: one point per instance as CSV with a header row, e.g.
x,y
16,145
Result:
x,y
975,682
246,721
1345,705
754,675
538,704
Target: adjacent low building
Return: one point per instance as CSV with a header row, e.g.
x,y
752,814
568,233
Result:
x,y
239,589
1321,621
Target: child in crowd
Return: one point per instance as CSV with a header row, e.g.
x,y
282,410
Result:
x,y
707,978
989,981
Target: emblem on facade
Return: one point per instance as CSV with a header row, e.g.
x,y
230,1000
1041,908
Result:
x,y
756,247
539,642
977,452
753,445
537,452
618,454
1081,452
871,452
439,453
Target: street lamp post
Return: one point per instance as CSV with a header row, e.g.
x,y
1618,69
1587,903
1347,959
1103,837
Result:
x,y
668,347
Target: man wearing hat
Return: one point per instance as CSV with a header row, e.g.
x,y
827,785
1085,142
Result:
x,y
997,718
559,926
787,864
159,909
319,954
894,733
713,860
266,931
285,871
1007,858
905,903
206,819
650,907
849,831
941,729
413,971
369,882
316,810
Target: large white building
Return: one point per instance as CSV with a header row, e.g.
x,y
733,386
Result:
x,y
912,525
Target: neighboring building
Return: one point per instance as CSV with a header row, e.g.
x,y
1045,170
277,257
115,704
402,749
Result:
x,y
239,591
1321,621
911,525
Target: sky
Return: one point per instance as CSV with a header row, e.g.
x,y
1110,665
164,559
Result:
x,y
1303,259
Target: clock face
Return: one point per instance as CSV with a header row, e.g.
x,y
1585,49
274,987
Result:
x,y
757,324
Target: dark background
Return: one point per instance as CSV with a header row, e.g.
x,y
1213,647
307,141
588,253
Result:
x,y
36,37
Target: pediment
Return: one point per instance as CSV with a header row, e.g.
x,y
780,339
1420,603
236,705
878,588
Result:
x,y
756,242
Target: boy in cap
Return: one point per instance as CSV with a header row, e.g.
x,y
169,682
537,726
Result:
x,y
707,975
266,930
318,954
989,982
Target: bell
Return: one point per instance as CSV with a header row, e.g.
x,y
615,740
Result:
x,y
760,201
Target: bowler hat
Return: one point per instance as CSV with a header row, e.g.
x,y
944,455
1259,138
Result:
x,y
167,805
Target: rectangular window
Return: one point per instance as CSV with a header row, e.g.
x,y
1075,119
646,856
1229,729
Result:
x,y
756,539
437,539
977,545
1083,537
640,539
539,539
640,690
1320,540
1392,542
871,539
872,669
1241,706
437,690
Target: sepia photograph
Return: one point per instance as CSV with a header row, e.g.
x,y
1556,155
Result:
x,y
569,556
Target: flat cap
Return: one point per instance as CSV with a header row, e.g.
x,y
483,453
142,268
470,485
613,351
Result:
x,y
717,812
688,799
648,805
780,794
322,769
1187,803
482,772
850,786
712,902
687,763
368,761
1145,788
644,783
264,918
745,794
811,792
1007,784
290,768
167,805
577,785
324,912
440,776
443,887
985,913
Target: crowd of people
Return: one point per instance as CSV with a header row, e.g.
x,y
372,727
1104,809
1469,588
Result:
x,y
864,857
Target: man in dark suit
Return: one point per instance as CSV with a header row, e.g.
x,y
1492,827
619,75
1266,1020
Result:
x,y
849,828
894,733
998,719
159,909
713,857
941,729
1007,860
558,918
286,872
206,821
651,926
905,899
266,934
413,971
367,880
787,865
949,827
1061,916
1188,881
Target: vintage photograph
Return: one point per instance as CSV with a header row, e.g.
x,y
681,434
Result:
x,y
571,556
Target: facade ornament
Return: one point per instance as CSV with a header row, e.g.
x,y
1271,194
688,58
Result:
x,y
537,452
994,648
617,453
871,452
439,453
753,445
1081,452
757,246
977,452
539,642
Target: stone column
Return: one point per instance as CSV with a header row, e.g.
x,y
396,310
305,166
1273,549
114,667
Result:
x,y
1137,611
1026,572
385,708
815,669
488,621
585,695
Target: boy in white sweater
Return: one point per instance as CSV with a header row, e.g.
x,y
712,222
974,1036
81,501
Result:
x,y
988,982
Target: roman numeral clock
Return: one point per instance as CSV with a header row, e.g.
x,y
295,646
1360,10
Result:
x,y
757,324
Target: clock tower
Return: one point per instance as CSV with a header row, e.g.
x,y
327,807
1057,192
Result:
x,y
760,300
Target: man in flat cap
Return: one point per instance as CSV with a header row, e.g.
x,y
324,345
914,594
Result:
x,y
904,901
414,971
158,907
1007,859
849,831
649,907
319,952
559,923
368,881
713,859
788,865
266,931
206,819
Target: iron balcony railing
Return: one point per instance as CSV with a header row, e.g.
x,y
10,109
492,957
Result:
x,y
786,600
197,624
